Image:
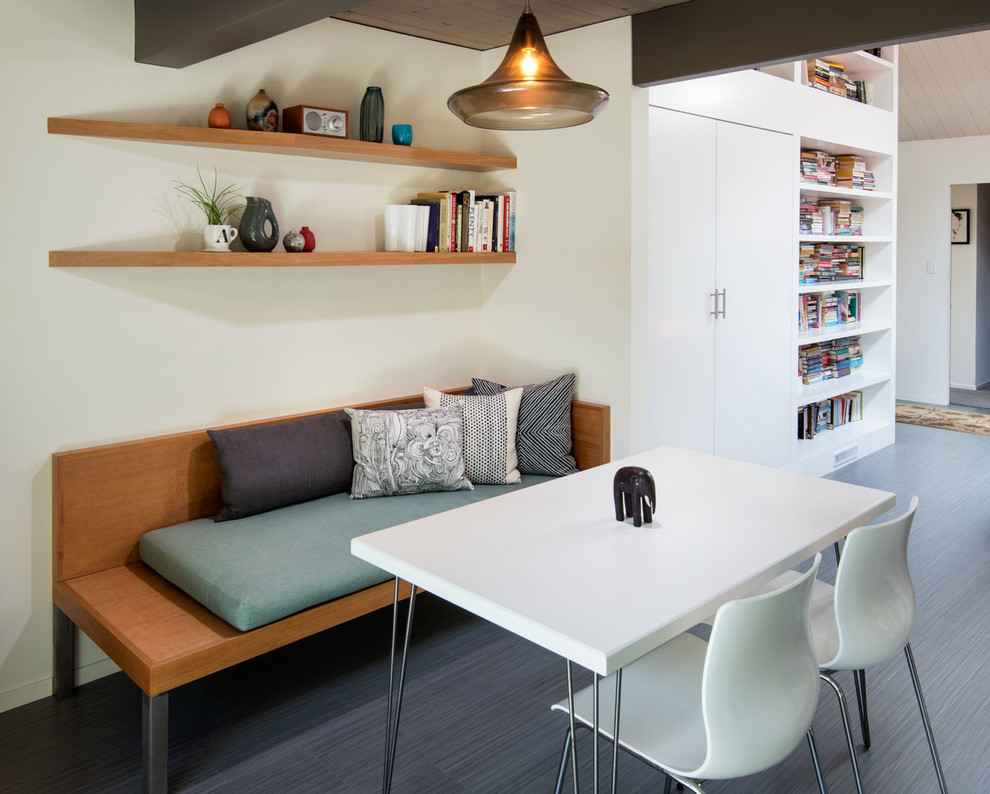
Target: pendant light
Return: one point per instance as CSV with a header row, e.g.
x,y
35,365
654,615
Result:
x,y
528,91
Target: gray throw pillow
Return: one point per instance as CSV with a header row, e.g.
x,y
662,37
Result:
x,y
270,466
543,433
407,451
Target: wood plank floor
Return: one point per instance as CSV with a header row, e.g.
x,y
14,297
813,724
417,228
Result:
x,y
476,717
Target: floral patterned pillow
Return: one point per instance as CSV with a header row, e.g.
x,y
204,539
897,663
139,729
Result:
x,y
407,451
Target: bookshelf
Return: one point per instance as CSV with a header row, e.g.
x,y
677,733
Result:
x,y
778,98
877,73
873,380
282,143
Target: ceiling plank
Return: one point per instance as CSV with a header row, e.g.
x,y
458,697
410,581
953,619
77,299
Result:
x,y
705,37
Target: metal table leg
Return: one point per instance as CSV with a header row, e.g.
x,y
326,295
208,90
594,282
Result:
x,y
595,727
395,696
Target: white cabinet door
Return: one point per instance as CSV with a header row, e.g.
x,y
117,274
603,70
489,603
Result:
x,y
720,224
680,378
755,266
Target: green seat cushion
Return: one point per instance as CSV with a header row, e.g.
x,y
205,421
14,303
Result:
x,y
261,568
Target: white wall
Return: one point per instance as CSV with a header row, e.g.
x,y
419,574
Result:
x,y
96,355
962,298
567,299
927,170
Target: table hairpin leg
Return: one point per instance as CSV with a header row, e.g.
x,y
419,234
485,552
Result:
x,y
615,730
594,726
392,724
570,711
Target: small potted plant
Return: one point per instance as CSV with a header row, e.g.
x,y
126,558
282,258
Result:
x,y
218,205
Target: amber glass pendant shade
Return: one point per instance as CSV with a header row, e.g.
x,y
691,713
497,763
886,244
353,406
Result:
x,y
528,91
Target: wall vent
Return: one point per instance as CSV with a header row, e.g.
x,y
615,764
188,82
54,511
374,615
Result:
x,y
844,456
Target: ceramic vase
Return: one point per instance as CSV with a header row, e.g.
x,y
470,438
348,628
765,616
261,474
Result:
x,y
258,215
262,113
309,237
219,117
372,115
293,242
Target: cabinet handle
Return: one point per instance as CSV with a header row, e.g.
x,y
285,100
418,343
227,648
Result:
x,y
716,312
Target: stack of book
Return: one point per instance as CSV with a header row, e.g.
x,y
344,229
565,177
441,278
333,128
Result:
x,y
849,303
817,167
830,217
829,414
462,221
831,77
847,355
827,309
829,262
851,172
816,362
830,359
810,219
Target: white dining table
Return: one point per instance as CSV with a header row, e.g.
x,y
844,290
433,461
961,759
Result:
x,y
552,564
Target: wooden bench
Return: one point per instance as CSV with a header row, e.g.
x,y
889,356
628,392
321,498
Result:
x,y
106,497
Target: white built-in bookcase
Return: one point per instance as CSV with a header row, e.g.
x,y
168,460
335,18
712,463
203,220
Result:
x,y
779,99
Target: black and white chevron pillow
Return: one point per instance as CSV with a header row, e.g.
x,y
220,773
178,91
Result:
x,y
543,431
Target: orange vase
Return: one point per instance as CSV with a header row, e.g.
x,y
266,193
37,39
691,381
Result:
x,y
219,117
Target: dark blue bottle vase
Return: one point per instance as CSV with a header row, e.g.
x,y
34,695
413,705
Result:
x,y
372,115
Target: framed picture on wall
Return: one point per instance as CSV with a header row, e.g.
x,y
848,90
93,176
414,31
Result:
x,y
960,227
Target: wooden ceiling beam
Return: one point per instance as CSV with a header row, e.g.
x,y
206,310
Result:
x,y
706,37
183,32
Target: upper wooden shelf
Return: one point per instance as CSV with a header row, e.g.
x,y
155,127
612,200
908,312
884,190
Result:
x,y
282,143
273,259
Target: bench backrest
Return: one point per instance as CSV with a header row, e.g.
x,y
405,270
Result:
x,y
106,497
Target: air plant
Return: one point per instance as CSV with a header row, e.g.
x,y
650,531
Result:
x,y
216,204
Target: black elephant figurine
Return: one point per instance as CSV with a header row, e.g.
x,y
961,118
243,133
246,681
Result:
x,y
635,495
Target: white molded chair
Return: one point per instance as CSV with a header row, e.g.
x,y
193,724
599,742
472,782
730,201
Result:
x,y
733,706
866,618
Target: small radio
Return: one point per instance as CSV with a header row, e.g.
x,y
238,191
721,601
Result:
x,y
310,120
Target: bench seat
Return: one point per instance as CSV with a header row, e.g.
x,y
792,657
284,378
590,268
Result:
x,y
262,568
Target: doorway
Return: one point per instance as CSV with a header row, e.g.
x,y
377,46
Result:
x,y
969,380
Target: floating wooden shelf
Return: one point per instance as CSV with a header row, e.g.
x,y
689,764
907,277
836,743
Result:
x,y
273,259
282,143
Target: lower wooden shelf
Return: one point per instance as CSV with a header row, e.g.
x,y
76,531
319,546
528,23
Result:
x,y
273,259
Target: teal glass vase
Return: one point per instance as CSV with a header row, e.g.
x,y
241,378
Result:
x,y
372,115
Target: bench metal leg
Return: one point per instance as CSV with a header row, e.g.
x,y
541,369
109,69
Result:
x,y
154,743
64,655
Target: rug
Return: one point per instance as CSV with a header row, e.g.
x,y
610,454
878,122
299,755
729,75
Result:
x,y
943,418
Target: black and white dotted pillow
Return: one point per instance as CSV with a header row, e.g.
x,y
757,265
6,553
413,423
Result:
x,y
489,433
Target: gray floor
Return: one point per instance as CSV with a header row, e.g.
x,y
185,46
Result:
x,y
968,398
476,717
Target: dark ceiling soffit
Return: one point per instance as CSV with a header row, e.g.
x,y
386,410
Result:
x,y
706,37
183,32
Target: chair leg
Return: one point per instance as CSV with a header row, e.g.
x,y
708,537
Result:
x,y
683,782
816,761
844,712
859,678
563,763
924,717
